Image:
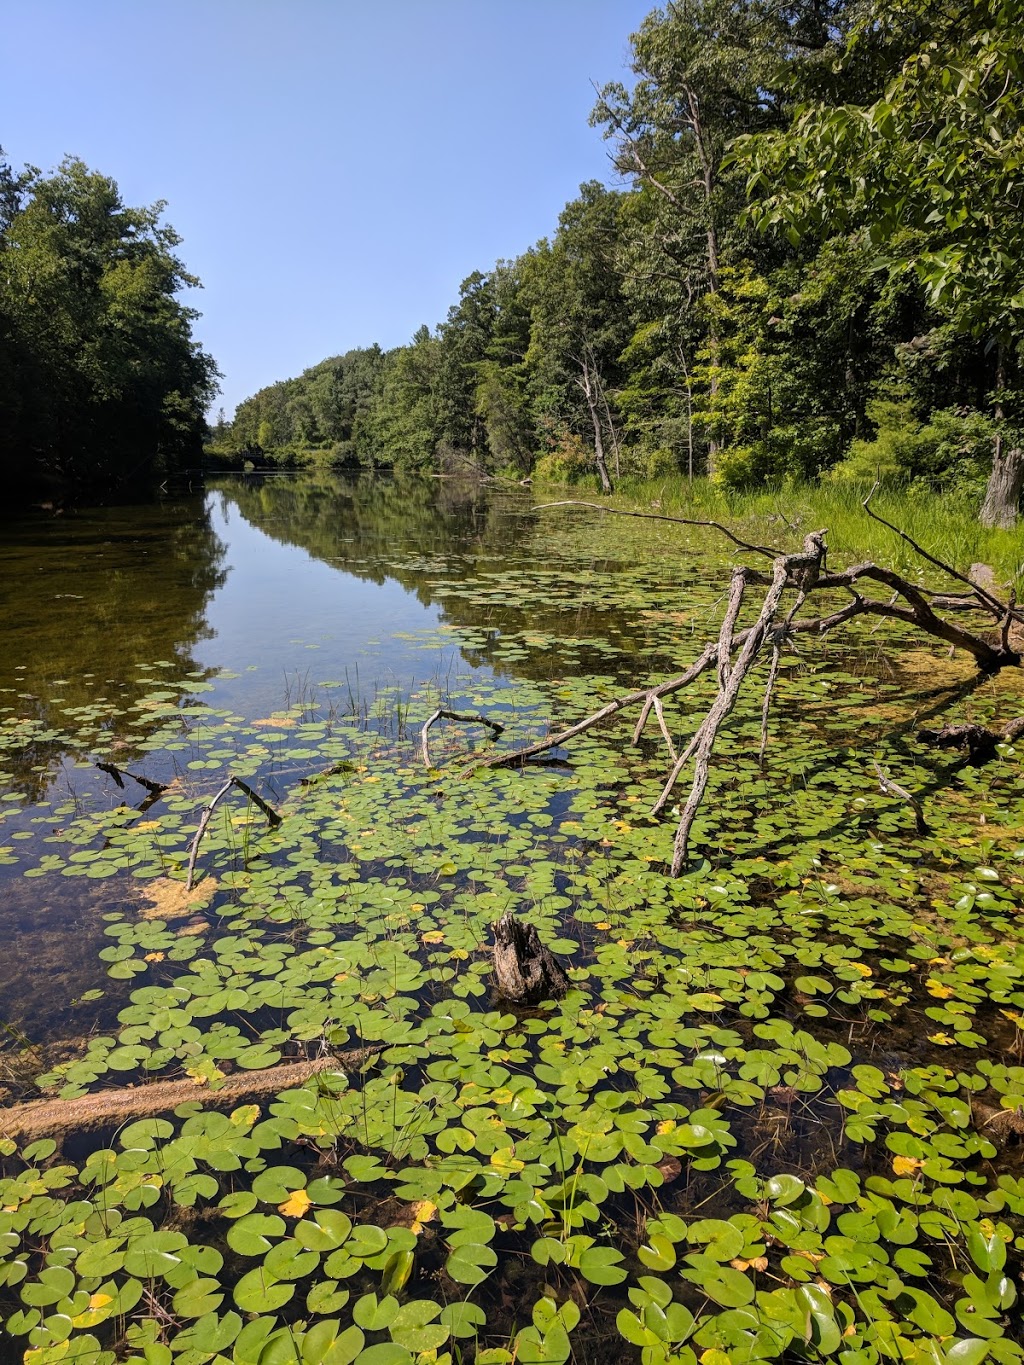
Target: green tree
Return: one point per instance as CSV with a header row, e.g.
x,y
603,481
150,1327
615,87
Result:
x,y
932,172
106,380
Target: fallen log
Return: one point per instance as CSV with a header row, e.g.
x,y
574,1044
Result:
x,y
527,972
105,1108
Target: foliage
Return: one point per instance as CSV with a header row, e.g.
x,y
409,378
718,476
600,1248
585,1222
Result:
x,y
759,1126
883,144
102,377
954,447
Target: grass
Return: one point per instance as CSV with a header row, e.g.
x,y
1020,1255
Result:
x,y
945,524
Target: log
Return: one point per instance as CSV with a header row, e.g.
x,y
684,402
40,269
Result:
x,y
50,1118
526,971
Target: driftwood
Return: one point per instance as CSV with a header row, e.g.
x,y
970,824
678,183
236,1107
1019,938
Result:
x,y
736,651
41,1118
526,971
494,726
193,852
119,774
976,741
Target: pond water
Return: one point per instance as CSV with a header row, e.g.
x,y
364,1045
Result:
x,y
758,1126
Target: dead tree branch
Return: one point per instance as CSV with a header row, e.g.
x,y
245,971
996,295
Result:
x,y
40,1118
193,852
442,713
890,788
735,653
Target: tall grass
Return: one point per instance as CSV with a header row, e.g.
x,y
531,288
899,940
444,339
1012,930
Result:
x,y
943,523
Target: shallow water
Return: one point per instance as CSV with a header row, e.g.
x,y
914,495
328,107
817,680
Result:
x,y
252,595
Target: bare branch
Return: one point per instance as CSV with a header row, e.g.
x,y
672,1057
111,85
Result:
x,y
765,550
495,727
995,606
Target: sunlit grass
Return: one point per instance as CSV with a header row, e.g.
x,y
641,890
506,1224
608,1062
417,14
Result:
x,y
945,524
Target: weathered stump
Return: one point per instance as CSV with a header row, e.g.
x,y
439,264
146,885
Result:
x,y
526,971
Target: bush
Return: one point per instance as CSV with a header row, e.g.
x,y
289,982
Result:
x,y
568,460
952,450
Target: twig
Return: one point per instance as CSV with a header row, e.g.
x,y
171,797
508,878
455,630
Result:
x,y
890,788
204,820
765,550
495,726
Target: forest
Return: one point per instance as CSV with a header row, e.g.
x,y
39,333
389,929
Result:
x,y
812,269
103,386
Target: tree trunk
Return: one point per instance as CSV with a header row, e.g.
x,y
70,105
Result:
x,y
589,382
1005,484
526,971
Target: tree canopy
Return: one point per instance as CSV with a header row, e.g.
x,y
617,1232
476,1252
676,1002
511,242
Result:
x,y
102,379
811,267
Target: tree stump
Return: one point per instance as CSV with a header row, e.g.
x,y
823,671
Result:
x,y
526,971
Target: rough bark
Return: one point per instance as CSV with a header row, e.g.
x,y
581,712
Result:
x,y
1005,485
526,971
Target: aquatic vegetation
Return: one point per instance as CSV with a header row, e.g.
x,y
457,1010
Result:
x,y
774,1117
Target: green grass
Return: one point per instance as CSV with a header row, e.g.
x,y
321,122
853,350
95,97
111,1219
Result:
x,y
944,524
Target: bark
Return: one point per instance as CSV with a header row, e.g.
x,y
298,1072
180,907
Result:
x,y
40,1118
1005,485
589,383
526,970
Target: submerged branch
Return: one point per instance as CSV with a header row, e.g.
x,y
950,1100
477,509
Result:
x,y
39,1118
495,727
193,852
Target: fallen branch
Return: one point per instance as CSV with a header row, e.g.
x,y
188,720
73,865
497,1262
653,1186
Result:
x,y
441,712
888,787
735,652
765,550
204,820
39,1118
154,788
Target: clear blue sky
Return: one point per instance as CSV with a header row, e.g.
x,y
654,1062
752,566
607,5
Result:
x,y
335,167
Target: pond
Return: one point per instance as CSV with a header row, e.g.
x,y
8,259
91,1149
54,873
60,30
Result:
x,y
775,1114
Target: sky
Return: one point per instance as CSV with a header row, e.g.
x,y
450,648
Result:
x,y
335,168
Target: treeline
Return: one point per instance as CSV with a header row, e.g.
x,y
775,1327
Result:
x,y
814,268
101,384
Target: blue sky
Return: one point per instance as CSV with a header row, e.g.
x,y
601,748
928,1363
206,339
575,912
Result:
x,y
335,167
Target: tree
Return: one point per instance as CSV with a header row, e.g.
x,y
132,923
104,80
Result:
x,y
105,376
708,70
932,173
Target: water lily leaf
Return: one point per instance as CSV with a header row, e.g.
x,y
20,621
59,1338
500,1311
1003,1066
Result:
x,y
197,1298
251,1234
465,1319
602,1265
327,1343
296,1205
373,1314
395,1275
257,1291
471,1263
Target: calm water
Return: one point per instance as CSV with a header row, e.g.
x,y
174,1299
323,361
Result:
x,y
268,591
